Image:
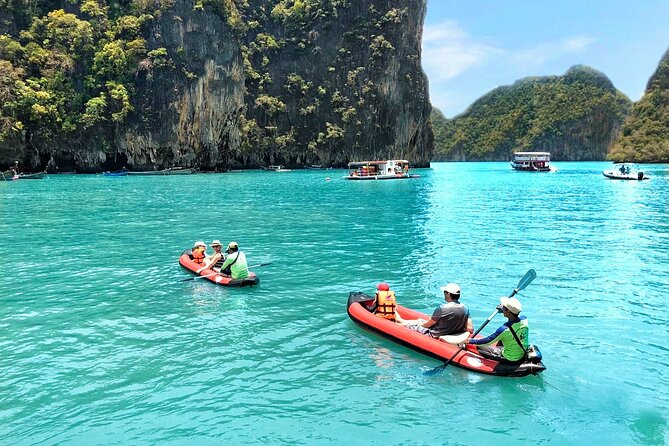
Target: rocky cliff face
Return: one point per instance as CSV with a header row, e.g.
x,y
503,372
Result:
x,y
645,134
336,82
187,111
216,84
574,117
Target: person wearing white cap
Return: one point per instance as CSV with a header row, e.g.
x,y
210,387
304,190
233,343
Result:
x,y
449,318
216,259
198,253
235,264
513,335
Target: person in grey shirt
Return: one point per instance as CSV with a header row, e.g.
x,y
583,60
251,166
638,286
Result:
x,y
449,318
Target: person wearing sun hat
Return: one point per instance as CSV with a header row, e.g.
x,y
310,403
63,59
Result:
x,y
235,264
514,335
449,318
216,259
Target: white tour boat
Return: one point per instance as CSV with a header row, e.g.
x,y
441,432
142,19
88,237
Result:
x,y
379,170
532,161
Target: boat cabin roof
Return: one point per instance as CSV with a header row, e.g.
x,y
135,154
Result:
x,y
532,154
375,163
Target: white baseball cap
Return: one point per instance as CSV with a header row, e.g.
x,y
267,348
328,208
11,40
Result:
x,y
512,304
199,243
452,288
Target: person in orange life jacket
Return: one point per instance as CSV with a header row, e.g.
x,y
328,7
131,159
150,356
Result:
x,y
216,259
385,304
513,335
198,252
449,318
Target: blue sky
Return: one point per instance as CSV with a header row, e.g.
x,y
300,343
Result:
x,y
473,46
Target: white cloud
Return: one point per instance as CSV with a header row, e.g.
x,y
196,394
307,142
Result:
x,y
577,44
541,53
448,51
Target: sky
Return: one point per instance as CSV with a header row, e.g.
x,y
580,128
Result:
x,y
473,46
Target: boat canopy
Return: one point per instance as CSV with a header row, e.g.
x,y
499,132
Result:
x,y
532,156
375,163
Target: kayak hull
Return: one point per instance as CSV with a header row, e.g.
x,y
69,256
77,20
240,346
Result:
x,y
213,276
467,359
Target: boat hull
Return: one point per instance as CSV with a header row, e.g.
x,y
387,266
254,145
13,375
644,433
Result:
x,y
162,172
613,176
467,359
524,168
214,276
380,177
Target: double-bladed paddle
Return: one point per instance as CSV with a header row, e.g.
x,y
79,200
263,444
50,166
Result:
x,y
216,274
526,280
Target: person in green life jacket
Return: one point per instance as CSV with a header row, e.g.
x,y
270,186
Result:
x,y
235,264
512,348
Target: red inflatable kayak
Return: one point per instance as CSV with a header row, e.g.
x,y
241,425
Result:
x,y
360,313
186,260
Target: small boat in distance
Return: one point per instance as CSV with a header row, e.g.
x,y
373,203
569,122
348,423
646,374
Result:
x,y
532,161
625,171
32,176
120,173
169,171
379,170
276,169
11,176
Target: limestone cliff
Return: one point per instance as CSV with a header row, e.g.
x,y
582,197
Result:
x,y
213,84
574,117
645,134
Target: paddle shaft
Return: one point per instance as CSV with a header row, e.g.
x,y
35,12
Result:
x,y
216,274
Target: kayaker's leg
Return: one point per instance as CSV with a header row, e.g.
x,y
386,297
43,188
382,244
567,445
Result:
x,y
491,352
419,328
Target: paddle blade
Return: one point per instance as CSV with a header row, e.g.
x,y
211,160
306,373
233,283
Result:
x,y
526,280
190,278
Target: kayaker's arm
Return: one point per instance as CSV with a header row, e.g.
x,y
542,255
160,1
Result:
x,y
429,323
488,339
470,325
211,261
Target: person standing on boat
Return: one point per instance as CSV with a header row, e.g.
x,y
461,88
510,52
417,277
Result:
x,y
214,260
235,264
513,335
449,318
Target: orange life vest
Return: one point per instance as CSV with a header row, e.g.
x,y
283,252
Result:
x,y
198,257
386,304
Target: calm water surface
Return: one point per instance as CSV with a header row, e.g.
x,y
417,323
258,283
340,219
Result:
x,y
102,343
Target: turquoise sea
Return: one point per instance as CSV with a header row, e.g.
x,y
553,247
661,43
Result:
x,y
101,342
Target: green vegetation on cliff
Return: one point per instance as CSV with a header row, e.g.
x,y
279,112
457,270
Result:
x,y
575,117
135,82
645,133
67,71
